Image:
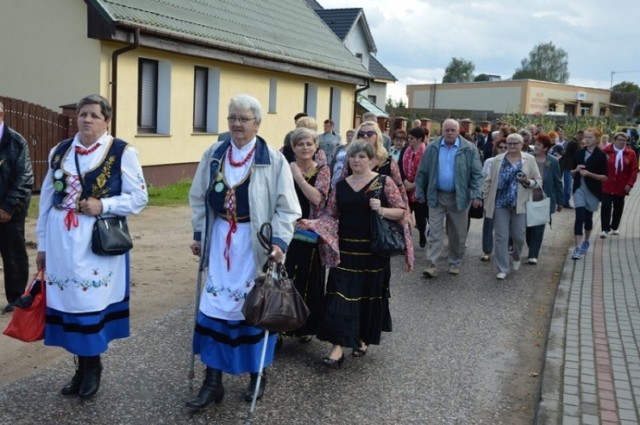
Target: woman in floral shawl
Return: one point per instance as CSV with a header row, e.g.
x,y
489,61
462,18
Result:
x,y
312,181
357,297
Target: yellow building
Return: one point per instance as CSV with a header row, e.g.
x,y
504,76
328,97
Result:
x,y
169,68
511,96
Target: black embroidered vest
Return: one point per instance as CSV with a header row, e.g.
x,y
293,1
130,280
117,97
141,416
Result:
x,y
104,181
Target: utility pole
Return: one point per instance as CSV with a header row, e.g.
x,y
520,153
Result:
x,y
620,72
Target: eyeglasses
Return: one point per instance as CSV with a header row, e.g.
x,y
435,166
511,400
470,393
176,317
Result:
x,y
369,133
243,120
513,143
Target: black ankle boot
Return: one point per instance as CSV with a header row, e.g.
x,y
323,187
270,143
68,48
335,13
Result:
x,y
251,389
91,379
211,390
73,386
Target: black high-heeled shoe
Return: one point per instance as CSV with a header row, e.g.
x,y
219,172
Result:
x,y
358,352
333,363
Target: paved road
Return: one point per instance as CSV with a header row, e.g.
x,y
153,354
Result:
x,y
465,350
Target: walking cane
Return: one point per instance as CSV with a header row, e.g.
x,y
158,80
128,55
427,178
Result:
x,y
191,373
252,408
265,239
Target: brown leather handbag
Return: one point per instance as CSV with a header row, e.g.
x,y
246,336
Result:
x,y
274,303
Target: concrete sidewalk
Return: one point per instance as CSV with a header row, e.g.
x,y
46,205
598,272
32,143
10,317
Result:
x,y
592,367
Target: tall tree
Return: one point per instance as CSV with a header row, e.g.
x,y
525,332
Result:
x,y
546,62
627,93
459,71
482,77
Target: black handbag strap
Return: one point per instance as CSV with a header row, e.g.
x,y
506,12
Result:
x,y
379,193
78,171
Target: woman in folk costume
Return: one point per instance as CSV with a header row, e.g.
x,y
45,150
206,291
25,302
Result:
x,y
87,294
239,185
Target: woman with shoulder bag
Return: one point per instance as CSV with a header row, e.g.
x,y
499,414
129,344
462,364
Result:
x,y
357,296
92,174
507,188
549,168
591,170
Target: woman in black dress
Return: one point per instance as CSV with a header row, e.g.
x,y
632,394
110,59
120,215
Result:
x,y
357,296
312,183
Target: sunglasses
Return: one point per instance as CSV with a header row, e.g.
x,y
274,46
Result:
x,y
369,133
503,147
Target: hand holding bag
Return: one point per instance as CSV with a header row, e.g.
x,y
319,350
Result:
x,y
27,322
110,235
274,303
387,236
538,212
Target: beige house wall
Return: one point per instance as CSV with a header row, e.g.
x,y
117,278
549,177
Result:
x,y
182,145
525,96
48,60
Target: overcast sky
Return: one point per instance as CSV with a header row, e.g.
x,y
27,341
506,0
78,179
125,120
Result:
x,y
416,39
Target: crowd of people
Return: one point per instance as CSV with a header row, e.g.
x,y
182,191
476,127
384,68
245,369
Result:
x,y
319,196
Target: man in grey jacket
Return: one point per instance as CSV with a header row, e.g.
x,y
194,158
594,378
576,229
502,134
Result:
x,y
16,182
449,180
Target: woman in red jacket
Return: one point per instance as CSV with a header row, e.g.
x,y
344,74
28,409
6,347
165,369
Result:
x,y
623,170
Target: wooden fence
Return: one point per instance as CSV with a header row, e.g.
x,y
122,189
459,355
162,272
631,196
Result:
x,y
42,128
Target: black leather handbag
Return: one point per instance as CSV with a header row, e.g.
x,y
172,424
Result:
x,y
387,236
274,303
111,236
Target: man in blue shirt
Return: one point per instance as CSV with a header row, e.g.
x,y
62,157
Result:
x,y
449,180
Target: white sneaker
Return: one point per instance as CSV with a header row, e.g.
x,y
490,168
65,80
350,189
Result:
x,y
533,261
501,276
603,234
615,232
515,265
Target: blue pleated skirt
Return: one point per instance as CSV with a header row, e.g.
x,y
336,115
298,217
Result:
x,y
232,346
87,334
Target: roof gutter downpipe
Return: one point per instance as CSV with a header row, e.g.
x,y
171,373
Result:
x,y
114,76
355,103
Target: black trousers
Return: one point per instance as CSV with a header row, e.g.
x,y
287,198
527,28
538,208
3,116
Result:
x,y
421,212
608,222
14,258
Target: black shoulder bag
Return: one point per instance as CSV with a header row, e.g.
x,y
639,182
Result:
x,y
110,235
387,236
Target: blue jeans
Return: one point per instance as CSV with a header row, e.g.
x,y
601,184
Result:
x,y
567,181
